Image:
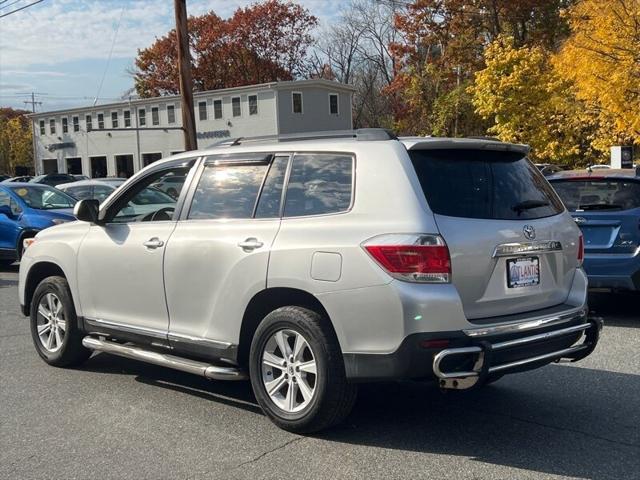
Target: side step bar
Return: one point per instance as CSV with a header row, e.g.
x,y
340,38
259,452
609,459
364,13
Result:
x,y
165,360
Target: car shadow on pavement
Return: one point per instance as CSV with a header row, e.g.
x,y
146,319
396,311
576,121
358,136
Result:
x,y
560,420
619,309
9,282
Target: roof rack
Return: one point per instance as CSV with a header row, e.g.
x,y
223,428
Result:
x,y
359,134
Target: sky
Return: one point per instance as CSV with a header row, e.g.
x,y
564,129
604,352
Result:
x,y
59,49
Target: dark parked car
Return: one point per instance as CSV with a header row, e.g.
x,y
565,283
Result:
x,y
53,179
605,204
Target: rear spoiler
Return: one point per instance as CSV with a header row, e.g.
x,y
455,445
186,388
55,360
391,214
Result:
x,y
469,143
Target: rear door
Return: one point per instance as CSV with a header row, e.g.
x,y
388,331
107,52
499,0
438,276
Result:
x,y
606,209
512,248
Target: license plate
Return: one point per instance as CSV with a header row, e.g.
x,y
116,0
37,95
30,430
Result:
x,y
523,272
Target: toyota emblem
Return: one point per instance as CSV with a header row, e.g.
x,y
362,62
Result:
x,y
529,232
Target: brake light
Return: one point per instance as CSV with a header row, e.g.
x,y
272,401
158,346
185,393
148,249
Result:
x,y
412,258
580,250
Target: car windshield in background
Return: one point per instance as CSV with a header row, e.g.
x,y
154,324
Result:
x,y
484,184
151,196
598,194
44,198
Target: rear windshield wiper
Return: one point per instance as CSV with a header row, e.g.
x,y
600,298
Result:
x,y
600,206
528,205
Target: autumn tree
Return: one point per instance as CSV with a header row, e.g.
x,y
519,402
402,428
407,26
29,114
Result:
x,y
527,101
261,43
443,43
602,58
16,146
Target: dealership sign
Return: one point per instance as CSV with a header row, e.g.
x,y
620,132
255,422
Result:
x,y
60,146
214,134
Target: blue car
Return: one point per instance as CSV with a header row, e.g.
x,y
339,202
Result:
x,y
25,209
606,206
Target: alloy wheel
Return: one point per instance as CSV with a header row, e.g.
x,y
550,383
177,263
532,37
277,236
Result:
x,y
51,322
289,370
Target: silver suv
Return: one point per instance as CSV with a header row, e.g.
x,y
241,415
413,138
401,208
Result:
x,y
312,264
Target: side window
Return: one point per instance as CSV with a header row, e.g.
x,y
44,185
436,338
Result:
x,y
270,198
5,199
145,202
79,193
319,183
227,191
15,208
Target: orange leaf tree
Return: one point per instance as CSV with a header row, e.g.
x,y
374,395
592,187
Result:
x,y
261,43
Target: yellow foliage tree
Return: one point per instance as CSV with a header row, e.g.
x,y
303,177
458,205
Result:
x,y
602,58
15,144
530,103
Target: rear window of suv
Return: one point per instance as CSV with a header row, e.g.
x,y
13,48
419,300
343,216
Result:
x,y
598,194
484,184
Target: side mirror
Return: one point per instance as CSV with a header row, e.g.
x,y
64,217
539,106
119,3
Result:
x,y
6,211
87,210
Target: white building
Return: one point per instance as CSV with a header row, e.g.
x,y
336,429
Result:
x,y
118,139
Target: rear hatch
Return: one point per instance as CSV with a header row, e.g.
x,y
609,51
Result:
x,y
607,210
512,247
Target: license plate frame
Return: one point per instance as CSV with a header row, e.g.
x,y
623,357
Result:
x,y
526,271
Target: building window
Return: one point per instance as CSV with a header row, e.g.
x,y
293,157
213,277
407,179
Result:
x,y
296,102
202,110
41,127
171,114
155,117
52,126
114,119
235,106
100,121
217,109
333,103
65,125
253,104
127,119
143,117
89,122
76,125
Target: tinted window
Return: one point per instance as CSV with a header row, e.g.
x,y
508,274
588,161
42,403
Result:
x,y
100,192
319,184
598,194
227,191
484,184
270,198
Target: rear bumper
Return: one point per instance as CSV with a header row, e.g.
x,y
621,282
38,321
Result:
x,y
492,358
462,359
613,271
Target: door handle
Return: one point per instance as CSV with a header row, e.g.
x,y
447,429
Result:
x,y
153,243
250,243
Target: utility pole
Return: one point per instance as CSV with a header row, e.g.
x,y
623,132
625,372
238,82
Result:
x,y
32,102
186,81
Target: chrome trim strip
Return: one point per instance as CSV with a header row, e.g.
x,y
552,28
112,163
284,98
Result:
x,y
523,248
546,356
171,361
151,332
522,326
540,336
181,337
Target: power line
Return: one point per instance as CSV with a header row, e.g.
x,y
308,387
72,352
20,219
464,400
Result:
x,y
21,8
12,3
113,43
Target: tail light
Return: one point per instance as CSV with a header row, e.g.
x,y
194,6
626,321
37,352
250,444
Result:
x,y
412,258
580,250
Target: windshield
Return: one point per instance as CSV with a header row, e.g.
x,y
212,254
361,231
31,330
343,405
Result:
x,y
598,194
484,184
43,197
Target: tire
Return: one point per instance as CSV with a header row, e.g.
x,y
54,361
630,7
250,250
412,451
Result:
x,y
332,397
64,349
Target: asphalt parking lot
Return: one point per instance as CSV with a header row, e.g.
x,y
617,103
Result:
x,y
117,418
